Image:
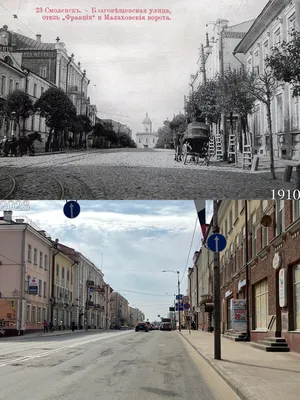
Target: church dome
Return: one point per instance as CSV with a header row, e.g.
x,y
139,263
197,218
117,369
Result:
x,y
147,120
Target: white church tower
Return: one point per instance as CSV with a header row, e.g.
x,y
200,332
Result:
x,y
147,124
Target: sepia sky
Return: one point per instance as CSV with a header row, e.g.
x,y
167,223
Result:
x,y
134,66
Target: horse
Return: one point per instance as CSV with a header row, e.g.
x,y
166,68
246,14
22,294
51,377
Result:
x,y
10,146
31,138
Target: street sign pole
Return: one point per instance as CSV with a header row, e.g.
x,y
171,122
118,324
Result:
x,y
217,303
179,319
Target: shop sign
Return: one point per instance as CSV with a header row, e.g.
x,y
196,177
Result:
x,y
239,315
282,288
241,284
33,286
277,261
228,294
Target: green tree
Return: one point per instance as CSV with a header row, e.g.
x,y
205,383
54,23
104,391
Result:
x,y
58,110
263,87
284,62
20,103
165,136
126,141
86,127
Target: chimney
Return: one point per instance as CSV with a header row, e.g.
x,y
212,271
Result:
x,y
19,220
39,37
7,216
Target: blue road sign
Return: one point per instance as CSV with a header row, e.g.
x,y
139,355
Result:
x,y
179,297
216,242
186,306
71,209
91,289
179,309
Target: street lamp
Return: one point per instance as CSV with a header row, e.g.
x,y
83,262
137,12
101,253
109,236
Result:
x,y
178,284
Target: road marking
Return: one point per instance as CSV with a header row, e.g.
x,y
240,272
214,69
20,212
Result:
x,y
45,354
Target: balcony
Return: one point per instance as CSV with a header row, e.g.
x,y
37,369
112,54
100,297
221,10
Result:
x,y
99,307
90,283
99,289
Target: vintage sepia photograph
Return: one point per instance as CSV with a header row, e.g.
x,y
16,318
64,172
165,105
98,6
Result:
x,y
181,100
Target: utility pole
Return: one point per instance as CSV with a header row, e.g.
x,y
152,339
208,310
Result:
x,y
179,319
217,303
175,311
247,273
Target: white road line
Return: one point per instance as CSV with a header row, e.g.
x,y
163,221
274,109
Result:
x,y
45,354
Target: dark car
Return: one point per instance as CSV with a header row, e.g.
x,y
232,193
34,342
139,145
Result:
x,y
165,326
142,326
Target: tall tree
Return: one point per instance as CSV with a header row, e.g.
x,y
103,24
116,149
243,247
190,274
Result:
x,y
263,87
20,103
58,110
165,136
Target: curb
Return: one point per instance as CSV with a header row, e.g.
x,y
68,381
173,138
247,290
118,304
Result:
x,y
236,386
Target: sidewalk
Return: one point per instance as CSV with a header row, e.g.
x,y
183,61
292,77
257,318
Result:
x,y
55,333
253,374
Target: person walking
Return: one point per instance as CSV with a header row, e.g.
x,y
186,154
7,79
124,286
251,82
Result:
x,y
73,326
45,326
51,326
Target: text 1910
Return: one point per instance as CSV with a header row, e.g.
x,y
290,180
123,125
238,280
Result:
x,y
14,205
286,194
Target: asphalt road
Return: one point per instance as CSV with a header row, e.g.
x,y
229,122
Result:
x,y
110,366
128,174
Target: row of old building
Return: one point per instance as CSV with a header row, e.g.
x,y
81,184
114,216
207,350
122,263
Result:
x,y
33,66
43,279
263,239
248,44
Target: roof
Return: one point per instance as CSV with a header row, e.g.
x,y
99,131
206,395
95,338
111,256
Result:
x,y
147,120
261,23
26,43
147,134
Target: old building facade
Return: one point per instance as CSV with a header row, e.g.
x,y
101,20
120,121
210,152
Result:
x,y
273,26
147,138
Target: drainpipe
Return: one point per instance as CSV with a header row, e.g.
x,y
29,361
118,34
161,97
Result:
x,y
53,282
83,76
67,76
197,281
20,304
247,338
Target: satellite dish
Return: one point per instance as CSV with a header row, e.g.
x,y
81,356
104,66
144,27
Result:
x,y
266,221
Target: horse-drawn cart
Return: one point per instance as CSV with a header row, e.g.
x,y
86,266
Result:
x,y
193,142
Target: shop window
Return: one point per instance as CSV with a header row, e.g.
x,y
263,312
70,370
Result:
x,y
28,313
296,284
261,305
33,317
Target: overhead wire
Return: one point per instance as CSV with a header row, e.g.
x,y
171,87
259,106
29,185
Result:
x,y
188,257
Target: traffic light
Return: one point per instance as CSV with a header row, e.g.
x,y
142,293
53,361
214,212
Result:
x,y
12,303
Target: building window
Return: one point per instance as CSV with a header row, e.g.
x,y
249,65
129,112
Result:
x,y
264,237
39,315
265,51
57,270
68,275
296,210
294,112
44,314
41,259
34,90
279,113
277,37
33,319
40,288
3,85
296,287
230,220
45,289
29,253
11,86
45,261
63,273
261,305
28,313
279,217
17,86
256,122
35,256
43,72
291,25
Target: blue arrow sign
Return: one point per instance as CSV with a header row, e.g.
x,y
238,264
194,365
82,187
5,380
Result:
x,y
71,209
179,297
216,242
91,289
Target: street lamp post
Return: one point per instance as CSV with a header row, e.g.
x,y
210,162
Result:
x,y
178,285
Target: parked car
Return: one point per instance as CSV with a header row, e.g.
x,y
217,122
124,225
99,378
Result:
x,y
165,326
142,326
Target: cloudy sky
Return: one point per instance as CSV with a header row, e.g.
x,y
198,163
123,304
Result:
x,y
134,66
133,241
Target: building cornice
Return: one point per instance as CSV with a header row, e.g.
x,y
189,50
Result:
x,y
268,14
21,227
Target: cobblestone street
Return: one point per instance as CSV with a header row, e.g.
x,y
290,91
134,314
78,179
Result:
x,y
128,174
